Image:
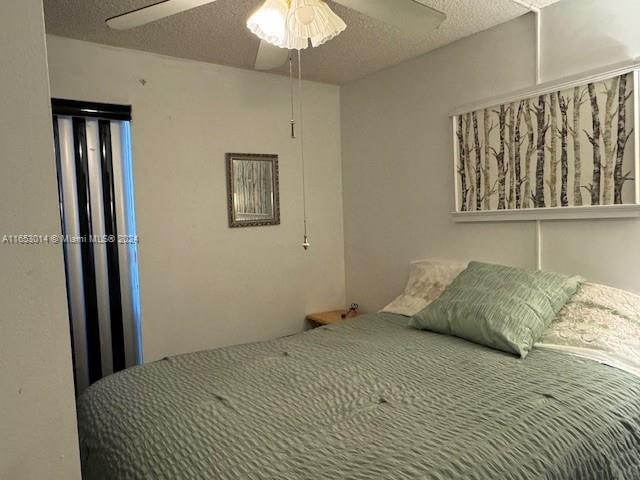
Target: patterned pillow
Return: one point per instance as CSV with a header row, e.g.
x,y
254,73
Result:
x,y
502,307
601,323
427,280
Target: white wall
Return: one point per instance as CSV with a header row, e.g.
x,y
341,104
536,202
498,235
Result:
x,y
579,35
397,154
38,436
204,285
397,171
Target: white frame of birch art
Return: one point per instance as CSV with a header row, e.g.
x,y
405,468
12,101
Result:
x,y
533,155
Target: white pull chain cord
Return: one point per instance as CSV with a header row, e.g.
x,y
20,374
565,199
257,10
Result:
x,y
292,121
305,242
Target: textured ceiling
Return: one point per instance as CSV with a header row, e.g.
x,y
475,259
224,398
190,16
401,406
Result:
x,y
216,33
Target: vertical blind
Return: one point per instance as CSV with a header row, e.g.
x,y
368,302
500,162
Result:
x,y
95,180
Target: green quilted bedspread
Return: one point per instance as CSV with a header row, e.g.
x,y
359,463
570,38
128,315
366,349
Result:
x,y
366,399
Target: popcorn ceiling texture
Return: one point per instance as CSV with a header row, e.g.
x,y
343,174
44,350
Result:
x,y
216,33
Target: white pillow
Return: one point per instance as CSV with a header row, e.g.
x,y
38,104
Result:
x,y
601,323
427,280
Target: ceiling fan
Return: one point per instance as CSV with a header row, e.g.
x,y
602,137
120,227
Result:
x,y
282,25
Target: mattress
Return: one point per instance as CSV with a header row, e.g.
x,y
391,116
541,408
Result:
x,y
368,398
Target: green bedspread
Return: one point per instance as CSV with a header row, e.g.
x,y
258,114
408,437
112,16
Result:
x,y
366,399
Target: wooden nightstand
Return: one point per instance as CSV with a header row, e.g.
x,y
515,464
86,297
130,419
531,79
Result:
x,y
327,318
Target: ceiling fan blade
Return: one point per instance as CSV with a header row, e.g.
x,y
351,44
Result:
x,y
408,15
154,12
270,57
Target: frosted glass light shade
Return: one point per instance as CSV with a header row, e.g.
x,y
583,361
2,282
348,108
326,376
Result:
x,y
311,20
269,22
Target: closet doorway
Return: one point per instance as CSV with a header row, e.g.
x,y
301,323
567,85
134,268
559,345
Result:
x,y
99,238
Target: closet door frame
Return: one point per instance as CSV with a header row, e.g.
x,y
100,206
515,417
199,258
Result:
x,y
94,165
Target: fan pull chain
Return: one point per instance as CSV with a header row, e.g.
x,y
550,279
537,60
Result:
x,y
292,121
305,243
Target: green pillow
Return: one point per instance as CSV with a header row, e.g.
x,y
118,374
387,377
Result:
x,y
502,307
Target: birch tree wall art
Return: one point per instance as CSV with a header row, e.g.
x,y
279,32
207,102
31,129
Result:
x,y
566,148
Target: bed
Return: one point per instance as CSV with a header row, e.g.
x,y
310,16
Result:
x,y
369,398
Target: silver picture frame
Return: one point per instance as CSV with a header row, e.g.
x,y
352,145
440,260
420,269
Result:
x,y
253,198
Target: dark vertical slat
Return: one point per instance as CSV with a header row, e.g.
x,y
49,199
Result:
x,y
86,248
111,230
56,144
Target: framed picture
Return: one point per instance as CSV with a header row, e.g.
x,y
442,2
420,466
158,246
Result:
x,y
563,150
252,190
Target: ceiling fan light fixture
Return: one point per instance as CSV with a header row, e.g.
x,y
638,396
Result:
x,y
305,15
269,22
311,20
